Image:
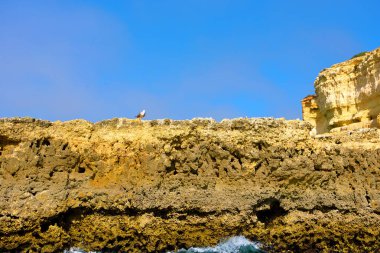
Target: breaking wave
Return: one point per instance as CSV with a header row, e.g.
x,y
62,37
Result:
x,y
236,244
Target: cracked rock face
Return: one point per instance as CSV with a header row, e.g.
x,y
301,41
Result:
x,y
347,95
162,185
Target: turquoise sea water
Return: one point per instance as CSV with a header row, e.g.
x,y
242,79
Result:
x,y
236,244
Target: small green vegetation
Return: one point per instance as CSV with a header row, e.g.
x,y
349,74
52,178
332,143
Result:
x,y
359,54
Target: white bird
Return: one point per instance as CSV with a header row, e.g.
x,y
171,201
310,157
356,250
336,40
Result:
x,y
141,115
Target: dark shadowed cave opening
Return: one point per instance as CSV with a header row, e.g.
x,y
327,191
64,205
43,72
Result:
x,y
267,215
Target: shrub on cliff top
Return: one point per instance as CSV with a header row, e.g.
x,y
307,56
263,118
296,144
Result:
x,y
359,54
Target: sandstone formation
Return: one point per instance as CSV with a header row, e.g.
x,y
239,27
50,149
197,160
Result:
x,y
310,109
347,95
119,185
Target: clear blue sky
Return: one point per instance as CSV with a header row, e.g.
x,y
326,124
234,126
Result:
x,y
61,60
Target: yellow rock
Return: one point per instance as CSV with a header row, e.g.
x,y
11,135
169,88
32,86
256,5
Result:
x,y
122,186
346,93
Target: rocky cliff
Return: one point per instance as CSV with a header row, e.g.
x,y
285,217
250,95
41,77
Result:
x,y
347,95
123,186
310,109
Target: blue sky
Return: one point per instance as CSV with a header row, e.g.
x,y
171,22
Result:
x,y
62,60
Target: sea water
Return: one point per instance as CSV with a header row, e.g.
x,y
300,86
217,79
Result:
x,y
236,244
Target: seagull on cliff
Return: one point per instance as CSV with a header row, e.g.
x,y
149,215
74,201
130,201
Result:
x,y
140,115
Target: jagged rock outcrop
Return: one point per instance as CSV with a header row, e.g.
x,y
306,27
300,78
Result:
x,y
347,95
310,109
123,186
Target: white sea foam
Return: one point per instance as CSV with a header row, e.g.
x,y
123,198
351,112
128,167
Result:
x,y
78,250
231,245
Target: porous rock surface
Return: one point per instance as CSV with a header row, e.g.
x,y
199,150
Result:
x,y
347,95
161,185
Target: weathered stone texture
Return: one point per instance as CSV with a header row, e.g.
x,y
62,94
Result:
x,y
348,93
310,109
123,186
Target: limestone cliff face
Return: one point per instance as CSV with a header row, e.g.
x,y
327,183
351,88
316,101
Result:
x,y
310,109
156,186
348,94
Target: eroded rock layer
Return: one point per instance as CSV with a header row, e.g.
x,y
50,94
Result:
x,y
347,95
161,185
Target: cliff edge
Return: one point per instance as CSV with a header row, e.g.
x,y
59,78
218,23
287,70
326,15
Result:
x,y
347,95
161,185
